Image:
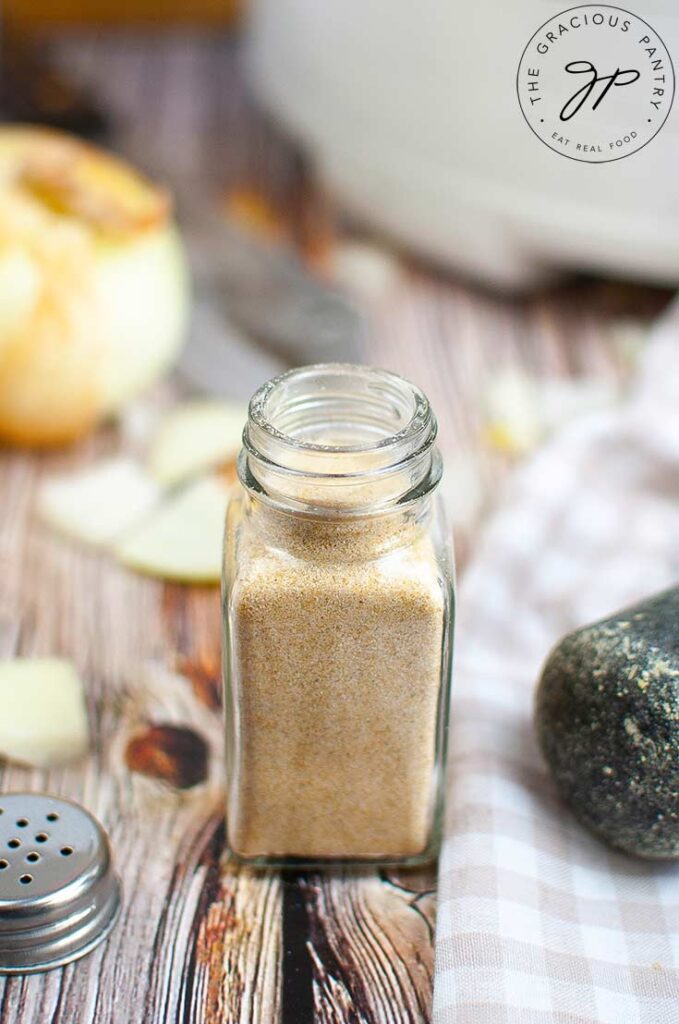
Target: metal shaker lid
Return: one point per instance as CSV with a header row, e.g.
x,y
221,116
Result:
x,y
59,895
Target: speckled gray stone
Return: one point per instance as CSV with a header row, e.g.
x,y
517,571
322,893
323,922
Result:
x,y
607,720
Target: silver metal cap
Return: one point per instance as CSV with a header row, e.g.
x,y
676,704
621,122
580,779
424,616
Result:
x,y
59,895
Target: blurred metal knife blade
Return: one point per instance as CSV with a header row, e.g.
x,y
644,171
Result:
x,y
259,310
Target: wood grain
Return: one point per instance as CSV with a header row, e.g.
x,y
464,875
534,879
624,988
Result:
x,y
202,940
370,941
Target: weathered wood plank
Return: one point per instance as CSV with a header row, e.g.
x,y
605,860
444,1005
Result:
x,y
370,943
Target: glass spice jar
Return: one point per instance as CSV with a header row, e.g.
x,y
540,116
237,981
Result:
x,y
338,612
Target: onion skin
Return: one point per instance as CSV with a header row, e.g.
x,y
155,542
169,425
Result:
x,y
94,289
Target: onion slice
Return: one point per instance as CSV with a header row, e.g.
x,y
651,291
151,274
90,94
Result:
x,y
98,504
182,539
195,437
44,719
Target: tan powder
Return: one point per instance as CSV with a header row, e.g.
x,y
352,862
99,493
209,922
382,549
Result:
x,y
337,633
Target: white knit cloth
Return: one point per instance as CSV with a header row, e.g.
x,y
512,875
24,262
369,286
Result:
x,y
538,921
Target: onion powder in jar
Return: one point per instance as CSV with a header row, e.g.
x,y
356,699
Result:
x,y
338,610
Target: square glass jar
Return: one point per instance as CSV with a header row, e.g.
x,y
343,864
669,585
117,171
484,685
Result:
x,y
338,610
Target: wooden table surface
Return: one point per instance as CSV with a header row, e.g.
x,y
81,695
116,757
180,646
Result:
x,y
201,940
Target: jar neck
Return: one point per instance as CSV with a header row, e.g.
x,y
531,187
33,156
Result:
x,y
339,441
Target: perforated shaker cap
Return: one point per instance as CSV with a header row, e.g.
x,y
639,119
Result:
x,y
59,895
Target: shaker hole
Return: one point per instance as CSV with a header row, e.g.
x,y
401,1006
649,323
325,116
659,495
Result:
x,y
41,837
53,816
14,843
22,822
26,879
33,857
4,864
66,851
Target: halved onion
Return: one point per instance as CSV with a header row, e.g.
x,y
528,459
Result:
x,y
93,285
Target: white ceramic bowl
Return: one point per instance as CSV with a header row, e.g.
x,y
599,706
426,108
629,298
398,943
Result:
x,y
412,115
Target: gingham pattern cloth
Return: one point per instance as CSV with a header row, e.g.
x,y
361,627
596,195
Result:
x,y
538,921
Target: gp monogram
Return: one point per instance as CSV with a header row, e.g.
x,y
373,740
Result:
x,y
595,83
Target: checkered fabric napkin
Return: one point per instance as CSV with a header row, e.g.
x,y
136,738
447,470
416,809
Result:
x,y
538,921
